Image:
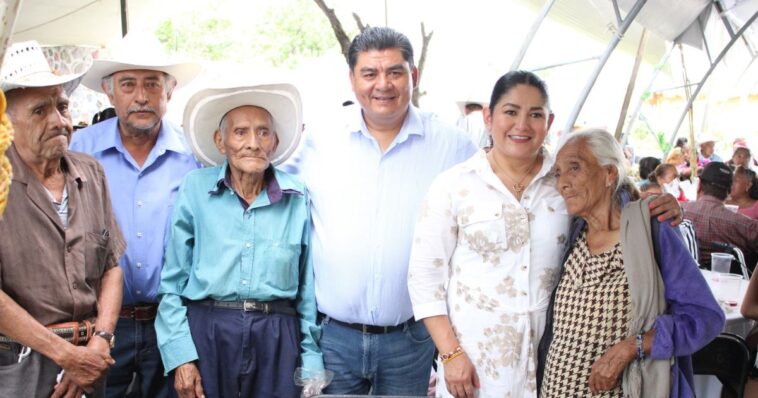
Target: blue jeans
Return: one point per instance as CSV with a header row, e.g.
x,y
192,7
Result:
x,y
397,363
138,362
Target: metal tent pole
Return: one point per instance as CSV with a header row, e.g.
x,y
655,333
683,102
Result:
x,y
633,119
124,18
707,74
603,59
532,32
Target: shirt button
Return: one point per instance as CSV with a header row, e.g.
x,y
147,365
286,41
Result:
x,y
68,248
244,282
248,245
523,267
139,292
139,203
139,265
74,285
139,234
523,293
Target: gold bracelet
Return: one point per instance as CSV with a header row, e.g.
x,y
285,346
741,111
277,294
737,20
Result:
x,y
449,354
452,356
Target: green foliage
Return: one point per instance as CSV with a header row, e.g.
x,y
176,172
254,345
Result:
x,y
281,32
290,31
663,143
197,37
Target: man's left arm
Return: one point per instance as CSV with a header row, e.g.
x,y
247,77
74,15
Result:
x,y
108,306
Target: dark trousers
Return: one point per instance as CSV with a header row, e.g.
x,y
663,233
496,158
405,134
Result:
x,y
138,372
246,354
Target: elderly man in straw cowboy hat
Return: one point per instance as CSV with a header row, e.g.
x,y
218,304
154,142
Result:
x,y
60,244
145,157
238,311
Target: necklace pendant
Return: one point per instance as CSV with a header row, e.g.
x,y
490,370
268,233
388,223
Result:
x,y
518,188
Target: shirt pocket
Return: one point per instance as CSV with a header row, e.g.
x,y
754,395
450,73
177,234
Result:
x,y
280,266
95,247
481,227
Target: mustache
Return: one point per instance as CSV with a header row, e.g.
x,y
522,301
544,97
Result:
x,y
136,109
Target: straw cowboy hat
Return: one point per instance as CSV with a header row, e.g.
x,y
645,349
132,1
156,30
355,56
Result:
x,y
24,65
204,111
138,51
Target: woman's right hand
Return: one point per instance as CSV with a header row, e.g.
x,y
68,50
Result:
x,y
460,377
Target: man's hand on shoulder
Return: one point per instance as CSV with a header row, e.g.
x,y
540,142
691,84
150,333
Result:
x,y
666,207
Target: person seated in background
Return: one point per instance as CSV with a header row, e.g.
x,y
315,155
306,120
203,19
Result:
x,y
647,167
679,156
744,192
740,157
665,175
706,153
713,222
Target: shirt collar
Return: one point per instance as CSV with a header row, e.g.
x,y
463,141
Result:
x,y
480,164
711,199
276,186
168,140
24,175
412,125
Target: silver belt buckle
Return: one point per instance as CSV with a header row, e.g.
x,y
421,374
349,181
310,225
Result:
x,y
249,305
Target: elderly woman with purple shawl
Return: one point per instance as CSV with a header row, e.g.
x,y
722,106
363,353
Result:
x,y
631,305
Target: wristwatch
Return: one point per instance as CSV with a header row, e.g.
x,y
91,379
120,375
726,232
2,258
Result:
x,y
108,336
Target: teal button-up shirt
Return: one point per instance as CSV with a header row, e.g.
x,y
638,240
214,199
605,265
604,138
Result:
x,y
219,249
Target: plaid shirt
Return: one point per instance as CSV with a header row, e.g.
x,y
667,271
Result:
x,y
715,223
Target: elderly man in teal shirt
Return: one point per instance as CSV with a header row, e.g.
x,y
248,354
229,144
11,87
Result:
x,y
238,312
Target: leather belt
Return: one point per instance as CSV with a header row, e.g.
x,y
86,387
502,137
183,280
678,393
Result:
x,y
284,307
139,312
76,333
371,328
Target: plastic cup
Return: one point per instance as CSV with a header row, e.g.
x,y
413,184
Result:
x,y
726,287
721,262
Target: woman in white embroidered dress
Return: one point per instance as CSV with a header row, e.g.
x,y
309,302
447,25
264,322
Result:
x,y
487,248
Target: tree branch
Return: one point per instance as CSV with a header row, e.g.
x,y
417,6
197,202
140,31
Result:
x,y
339,31
426,38
360,23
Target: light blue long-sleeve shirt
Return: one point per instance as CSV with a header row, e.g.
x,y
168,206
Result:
x,y
142,197
365,205
219,250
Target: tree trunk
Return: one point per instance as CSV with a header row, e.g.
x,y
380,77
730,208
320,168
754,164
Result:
x,y
417,93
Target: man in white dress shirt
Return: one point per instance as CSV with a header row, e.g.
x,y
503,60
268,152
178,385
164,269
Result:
x,y
367,178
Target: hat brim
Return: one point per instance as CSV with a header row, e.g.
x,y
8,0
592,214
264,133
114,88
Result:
x,y
462,105
44,79
182,72
204,110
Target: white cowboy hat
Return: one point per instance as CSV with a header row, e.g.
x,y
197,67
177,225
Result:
x,y
205,109
24,65
138,51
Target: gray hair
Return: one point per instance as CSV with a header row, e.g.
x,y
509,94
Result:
x,y
607,152
170,83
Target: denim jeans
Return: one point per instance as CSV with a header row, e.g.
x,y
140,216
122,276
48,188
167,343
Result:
x,y
138,362
397,363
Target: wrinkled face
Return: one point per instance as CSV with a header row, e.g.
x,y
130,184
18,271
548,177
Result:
x,y
740,186
41,121
140,98
741,157
382,82
519,122
248,139
584,184
706,149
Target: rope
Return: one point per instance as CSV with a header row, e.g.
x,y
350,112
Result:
x,y
6,136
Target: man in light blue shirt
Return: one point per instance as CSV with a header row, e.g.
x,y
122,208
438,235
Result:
x,y
238,310
144,157
367,179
